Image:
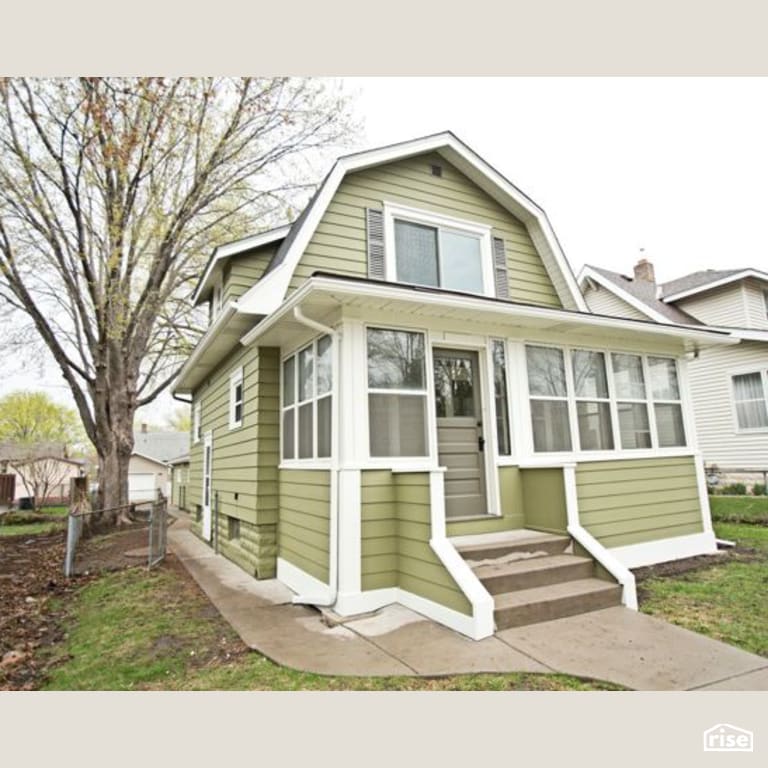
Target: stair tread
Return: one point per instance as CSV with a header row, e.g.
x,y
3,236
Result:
x,y
564,589
541,563
529,543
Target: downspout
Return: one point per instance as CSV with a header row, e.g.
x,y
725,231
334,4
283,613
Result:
x,y
325,601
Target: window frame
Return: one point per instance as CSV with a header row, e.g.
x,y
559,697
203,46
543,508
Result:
x,y
617,451
738,429
314,461
235,379
396,212
429,425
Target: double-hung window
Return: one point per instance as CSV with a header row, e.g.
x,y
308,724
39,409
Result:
x,y
632,401
436,251
750,395
549,399
667,406
397,393
236,399
593,405
307,401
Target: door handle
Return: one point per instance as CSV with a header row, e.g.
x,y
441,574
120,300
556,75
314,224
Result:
x,y
481,443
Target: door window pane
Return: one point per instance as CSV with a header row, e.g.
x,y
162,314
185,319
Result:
x,y
416,253
628,376
551,431
460,262
546,371
397,425
454,386
395,359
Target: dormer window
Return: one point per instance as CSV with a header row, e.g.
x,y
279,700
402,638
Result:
x,y
424,248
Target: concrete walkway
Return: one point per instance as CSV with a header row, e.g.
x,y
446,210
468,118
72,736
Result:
x,y
615,644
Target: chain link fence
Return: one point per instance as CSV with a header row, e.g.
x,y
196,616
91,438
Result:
x,y
93,544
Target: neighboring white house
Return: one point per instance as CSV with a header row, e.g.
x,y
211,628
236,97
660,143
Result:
x,y
148,470
729,384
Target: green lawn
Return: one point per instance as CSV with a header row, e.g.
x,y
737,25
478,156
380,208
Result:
x,y
21,528
727,601
133,630
739,509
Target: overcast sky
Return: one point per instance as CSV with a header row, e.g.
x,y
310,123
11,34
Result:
x,y
675,166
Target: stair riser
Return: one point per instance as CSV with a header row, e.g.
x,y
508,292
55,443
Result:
x,y
534,613
491,552
538,578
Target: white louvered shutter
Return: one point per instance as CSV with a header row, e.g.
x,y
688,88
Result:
x,y
500,268
375,228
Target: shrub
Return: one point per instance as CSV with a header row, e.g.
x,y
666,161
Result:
x,y
759,489
734,489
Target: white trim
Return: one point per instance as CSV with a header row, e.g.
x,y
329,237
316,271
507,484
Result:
x,y
701,484
197,415
355,289
207,521
588,273
664,550
235,378
302,583
373,600
440,223
233,249
350,533
596,550
269,293
756,273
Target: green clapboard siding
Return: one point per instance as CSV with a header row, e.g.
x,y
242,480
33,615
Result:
x,y
245,459
395,528
634,501
339,243
543,493
511,518
244,271
303,536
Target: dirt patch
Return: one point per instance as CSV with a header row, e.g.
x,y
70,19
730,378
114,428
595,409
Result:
x,y
112,551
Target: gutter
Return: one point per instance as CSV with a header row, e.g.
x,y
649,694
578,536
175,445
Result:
x,y
329,599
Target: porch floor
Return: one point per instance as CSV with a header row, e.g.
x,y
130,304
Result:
x,y
614,644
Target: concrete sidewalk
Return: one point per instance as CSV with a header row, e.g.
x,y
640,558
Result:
x,y
615,644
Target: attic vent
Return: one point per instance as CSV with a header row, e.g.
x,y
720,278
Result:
x,y
437,170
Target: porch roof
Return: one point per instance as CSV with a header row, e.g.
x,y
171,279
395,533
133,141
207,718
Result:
x,y
323,295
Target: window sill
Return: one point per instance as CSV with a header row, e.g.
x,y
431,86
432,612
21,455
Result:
x,y
324,464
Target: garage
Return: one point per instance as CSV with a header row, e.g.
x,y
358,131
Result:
x,y
141,487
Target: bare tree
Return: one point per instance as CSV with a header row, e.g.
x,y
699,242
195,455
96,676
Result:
x,y
112,193
41,476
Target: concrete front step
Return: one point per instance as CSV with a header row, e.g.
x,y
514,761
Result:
x,y
546,543
533,572
554,601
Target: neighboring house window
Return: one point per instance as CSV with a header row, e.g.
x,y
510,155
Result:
x,y
196,414
397,393
427,249
750,394
501,399
600,399
307,401
236,399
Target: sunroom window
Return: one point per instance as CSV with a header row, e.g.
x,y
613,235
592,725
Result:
x,y
667,406
500,397
593,405
307,400
632,401
549,399
397,393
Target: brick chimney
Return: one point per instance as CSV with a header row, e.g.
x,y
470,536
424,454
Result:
x,y
644,271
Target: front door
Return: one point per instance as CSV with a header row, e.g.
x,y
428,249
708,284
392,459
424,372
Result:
x,y
207,460
460,431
